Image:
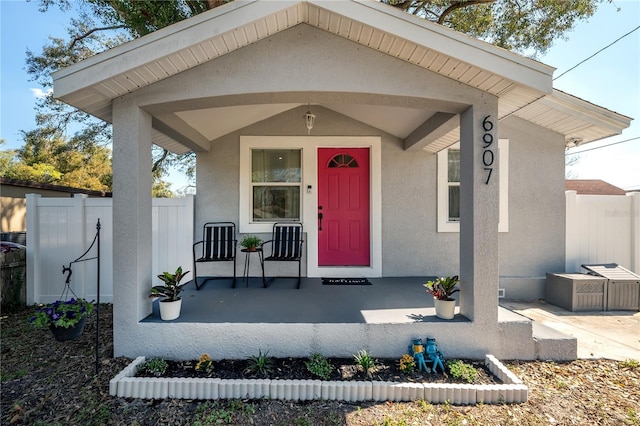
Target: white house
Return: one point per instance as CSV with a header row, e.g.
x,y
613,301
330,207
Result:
x,y
459,145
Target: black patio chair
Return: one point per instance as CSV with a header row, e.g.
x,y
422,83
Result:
x,y
285,246
218,245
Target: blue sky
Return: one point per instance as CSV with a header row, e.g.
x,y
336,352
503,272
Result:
x,y
611,79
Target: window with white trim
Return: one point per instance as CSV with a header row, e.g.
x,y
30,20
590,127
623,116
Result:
x,y
276,179
449,188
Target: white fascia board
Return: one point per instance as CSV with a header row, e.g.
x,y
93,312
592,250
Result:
x,y
432,36
163,42
587,111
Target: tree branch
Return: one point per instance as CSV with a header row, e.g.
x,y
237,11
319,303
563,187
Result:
x,y
459,5
91,31
158,162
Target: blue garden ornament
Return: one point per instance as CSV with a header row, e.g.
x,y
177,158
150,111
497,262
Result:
x,y
434,355
416,348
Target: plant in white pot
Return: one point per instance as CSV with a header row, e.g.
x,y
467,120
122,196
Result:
x,y
441,289
251,242
171,303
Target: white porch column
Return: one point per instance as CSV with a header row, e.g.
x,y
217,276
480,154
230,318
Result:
x,y
479,212
132,236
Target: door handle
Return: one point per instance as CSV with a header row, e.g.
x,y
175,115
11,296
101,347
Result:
x,y
320,215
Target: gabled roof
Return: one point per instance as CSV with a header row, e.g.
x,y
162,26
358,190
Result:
x,y
592,187
524,86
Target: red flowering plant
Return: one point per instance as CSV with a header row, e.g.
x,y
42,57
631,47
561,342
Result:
x,y
61,313
442,288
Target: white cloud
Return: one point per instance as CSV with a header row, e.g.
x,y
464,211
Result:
x,y
39,93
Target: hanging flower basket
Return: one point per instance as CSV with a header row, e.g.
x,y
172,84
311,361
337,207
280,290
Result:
x,y
63,334
65,319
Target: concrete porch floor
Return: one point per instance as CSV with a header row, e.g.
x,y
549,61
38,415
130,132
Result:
x,y
394,300
387,300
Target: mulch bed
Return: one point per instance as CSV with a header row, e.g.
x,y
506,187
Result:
x,y
343,369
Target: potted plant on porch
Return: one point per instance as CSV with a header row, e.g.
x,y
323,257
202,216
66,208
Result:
x,y
441,289
250,242
172,303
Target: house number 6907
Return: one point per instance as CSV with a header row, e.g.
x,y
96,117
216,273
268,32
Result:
x,y
487,153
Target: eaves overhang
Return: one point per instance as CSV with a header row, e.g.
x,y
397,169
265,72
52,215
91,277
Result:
x,y
92,84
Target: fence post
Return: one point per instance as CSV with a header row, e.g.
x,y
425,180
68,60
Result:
x,y
33,247
79,244
572,233
635,231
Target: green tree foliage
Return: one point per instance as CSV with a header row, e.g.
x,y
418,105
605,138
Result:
x,y
526,26
47,157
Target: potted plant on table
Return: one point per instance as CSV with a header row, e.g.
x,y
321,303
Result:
x,y
441,289
172,303
65,319
250,242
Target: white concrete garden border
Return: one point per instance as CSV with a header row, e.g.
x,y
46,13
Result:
x,y
511,391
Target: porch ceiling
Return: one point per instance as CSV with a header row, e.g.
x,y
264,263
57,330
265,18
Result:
x,y
523,85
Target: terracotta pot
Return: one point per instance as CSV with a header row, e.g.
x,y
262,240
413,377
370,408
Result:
x,y
62,334
445,309
170,310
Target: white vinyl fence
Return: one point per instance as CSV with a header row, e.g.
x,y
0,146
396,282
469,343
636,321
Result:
x,y
59,230
602,229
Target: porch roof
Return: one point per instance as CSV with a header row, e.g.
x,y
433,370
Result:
x,y
524,86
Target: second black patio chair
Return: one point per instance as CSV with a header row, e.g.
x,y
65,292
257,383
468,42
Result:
x,y
218,245
285,245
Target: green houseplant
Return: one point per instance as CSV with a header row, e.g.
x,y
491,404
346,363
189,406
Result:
x,y
250,242
65,319
441,289
171,303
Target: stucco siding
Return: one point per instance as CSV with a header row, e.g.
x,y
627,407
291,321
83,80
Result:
x,y
291,66
411,246
408,188
535,242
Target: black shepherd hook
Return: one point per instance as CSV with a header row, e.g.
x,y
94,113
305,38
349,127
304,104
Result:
x,y
67,270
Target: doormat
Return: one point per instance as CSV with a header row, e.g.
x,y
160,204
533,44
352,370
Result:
x,y
345,281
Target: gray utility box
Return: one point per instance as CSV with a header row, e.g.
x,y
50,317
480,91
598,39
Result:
x,y
623,286
576,292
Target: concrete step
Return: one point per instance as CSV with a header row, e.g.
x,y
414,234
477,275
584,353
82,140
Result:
x,y
554,345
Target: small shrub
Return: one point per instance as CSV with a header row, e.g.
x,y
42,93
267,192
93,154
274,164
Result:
x,y
154,367
462,371
319,366
629,364
407,364
205,364
365,362
260,364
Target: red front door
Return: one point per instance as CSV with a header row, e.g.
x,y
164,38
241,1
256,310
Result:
x,y
343,207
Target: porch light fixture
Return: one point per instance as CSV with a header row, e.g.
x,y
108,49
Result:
x,y
309,118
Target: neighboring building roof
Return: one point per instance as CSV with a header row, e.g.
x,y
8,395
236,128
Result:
x,y
51,187
592,187
523,86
